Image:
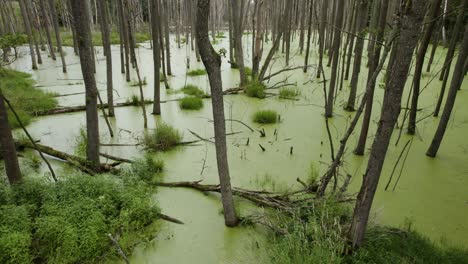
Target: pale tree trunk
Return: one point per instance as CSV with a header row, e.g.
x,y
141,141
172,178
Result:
x,y
323,26
46,20
239,53
156,57
81,16
7,146
450,53
420,56
54,19
32,23
258,41
410,21
212,62
362,25
104,20
455,85
309,34
27,28
126,41
167,40
335,60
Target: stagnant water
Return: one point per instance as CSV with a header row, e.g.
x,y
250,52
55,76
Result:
x,y
432,193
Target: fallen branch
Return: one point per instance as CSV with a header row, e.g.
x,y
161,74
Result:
x,y
119,249
115,158
170,219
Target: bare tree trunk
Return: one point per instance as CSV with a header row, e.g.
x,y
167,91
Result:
x,y
125,38
54,19
32,23
27,28
81,20
102,6
237,25
420,56
46,20
7,146
410,24
156,57
455,85
362,25
212,62
323,26
166,34
309,34
336,55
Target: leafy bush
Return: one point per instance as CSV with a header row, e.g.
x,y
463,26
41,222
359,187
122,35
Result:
x,y
191,103
289,93
164,137
147,167
255,89
68,221
192,90
81,141
196,72
248,71
265,117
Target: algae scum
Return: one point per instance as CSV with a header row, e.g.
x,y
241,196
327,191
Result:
x,y
432,194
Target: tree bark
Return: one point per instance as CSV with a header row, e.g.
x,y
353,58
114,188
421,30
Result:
x,y
27,28
104,20
81,20
410,25
239,53
212,62
420,56
156,57
54,19
455,85
7,146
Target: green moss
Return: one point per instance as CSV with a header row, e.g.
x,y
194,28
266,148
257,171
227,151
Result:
x,y
26,99
68,221
289,93
163,138
255,89
192,90
191,103
265,117
67,38
197,72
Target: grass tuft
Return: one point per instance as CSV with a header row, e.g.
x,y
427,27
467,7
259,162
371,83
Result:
x,y
137,83
163,138
255,89
265,117
192,90
196,72
191,103
289,93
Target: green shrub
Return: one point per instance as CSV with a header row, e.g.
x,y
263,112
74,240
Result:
x,y
289,93
248,71
147,167
26,99
196,72
81,141
191,103
68,221
192,90
164,137
265,117
255,89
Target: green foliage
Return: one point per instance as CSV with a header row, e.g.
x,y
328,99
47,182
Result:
x,y
68,221
137,83
289,93
255,89
196,72
192,90
215,41
67,38
220,35
11,41
248,71
147,167
313,175
163,138
191,103
265,117
25,98
81,141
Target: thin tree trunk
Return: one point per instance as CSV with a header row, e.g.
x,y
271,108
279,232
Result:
x,y
46,20
102,6
323,25
81,20
212,62
156,57
54,19
27,28
455,85
237,25
166,34
410,24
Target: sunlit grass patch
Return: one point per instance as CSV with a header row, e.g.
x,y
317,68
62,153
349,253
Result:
x,y
255,89
265,117
289,93
192,90
164,137
191,103
143,82
197,72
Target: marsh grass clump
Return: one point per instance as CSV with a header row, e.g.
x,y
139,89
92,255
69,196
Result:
x,y
164,137
137,83
265,117
289,93
196,72
248,71
191,103
81,140
147,167
220,35
68,221
255,89
192,90
18,88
